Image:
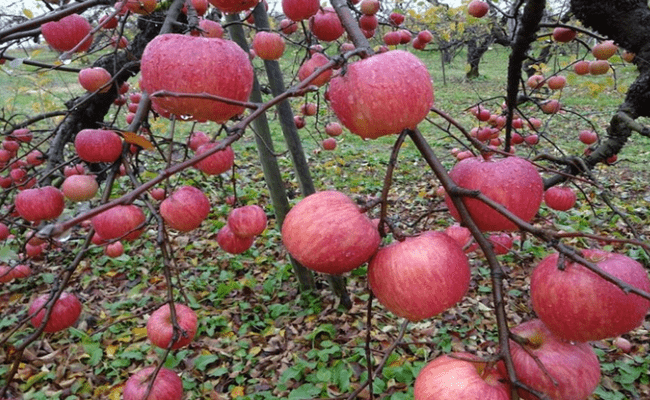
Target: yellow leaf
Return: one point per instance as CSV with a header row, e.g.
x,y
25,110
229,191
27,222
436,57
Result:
x,y
255,350
28,13
110,350
139,333
111,274
133,138
237,391
116,393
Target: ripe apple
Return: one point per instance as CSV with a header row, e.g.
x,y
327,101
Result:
x,y
95,79
200,6
167,386
333,129
40,203
513,182
581,67
185,209
368,22
98,145
477,8
598,67
210,29
447,377
77,169
288,26
578,305
7,274
198,138
501,243
35,158
217,163
326,232
556,82
573,367
268,45
66,33
158,194
160,329
622,344
421,276
531,139
604,50
399,81
201,57
396,18
535,81
308,109
108,22
299,121
325,25
628,56
564,35
405,36
143,7
119,222
418,45
114,249
559,198
4,231
551,106
329,144
369,7
316,61
392,38
22,135
297,10
247,221
462,236
231,243
425,36
64,314
80,187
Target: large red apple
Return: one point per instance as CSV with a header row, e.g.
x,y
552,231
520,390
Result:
x,y
185,209
40,203
560,198
421,276
234,6
95,79
268,45
167,386
160,329
513,182
217,163
573,367
564,35
119,222
326,25
231,243
576,304
98,145
382,94
80,187
447,378
64,314
66,33
396,18
297,10
327,232
478,8
247,221
316,61
201,57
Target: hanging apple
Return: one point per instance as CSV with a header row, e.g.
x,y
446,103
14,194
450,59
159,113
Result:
x,y
66,33
297,10
40,203
185,209
160,330
98,145
560,198
325,25
119,222
166,386
65,312
247,221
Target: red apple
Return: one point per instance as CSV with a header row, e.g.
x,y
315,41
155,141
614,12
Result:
x,y
308,109
200,6
167,386
448,378
185,209
578,305
571,371
564,35
513,182
535,82
288,26
143,7
604,50
95,79
325,25
268,45
316,61
297,10
4,231
622,344
501,243
114,249
158,194
6,274
19,271
598,67
559,198
80,187
10,145
477,8
531,139
534,123
333,129
582,67
234,6
421,276
399,81
98,145
201,57
368,22
405,36
247,221
40,203
161,331
329,144
392,38
369,7
217,163
418,45
35,158
22,135
210,28
64,314
425,36
551,106
197,139
299,121
326,232
66,33
119,222
231,243
396,18
628,56
556,82
108,22
462,236
77,169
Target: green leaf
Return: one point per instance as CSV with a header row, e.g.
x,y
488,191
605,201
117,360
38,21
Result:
x,y
306,391
201,362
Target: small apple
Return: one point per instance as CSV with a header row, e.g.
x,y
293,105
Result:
x,y
143,7
108,22
369,7
501,243
425,36
158,194
77,169
582,67
35,158
556,82
535,81
333,129
65,312
298,10
604,50
551,106
210,29
200,6
564,35
268,45
4,231
299,121
120,221
40,203
316,61
114,249
80,187
392,38
160,329
247,221
288,26
198,138
231,243
185,209
368,22
95,79
217,163
478,8
559,198
396,18
405,36
167,386
98,145
22,135
325,25
329,144
598,67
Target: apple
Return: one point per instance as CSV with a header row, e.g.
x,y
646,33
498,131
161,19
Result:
x,y
143,7
119,42
4,231
120,221
18,175
297,10
65,312
308,109
369,7
563,35
325,25
68,32
551,106
247,221
581,67
611,159
329,144
465,377
114,249
160,329
98,145
418,45
571,370
231,243
477,8
535,81
158,194
622,344
200,6
10,145
217,163
368,22
333,129
34,251
35,158
185,209
328,233
531,139
22,135
7,274
201,57
405,36
5,182
534,123
316,61
234,6
268,45
560,198
288,26
501,243
396,18
604,50
598,67
392,38
77,169
556,82
399,81
421,276
513,182
40,203
628,56
210,29
299,121
80,187
197,139
6,155
425,36
166,386
578,305
95,79
108,22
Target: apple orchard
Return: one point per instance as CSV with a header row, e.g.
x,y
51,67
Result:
x,y
139,156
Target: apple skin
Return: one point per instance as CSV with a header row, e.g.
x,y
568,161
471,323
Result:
x,y
556,82
234,6
329,144
185,209
40,203
93,79
98,145
574,367
217,163
560,198
333,129
578,305
64,314
297,10
198,138
604,50
396,18
366,97
325,25
288,26
268,45
167,386
564,35
369,7
598,67
4,231
512,182
160,329
115,249
142,7
211,29
231,243
80,187
118,221
66,33
588,137
7,274
247,221
392,38
421,276
448,378
326,232
158,194
316,61
501,243
477,8
201,57
582,67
